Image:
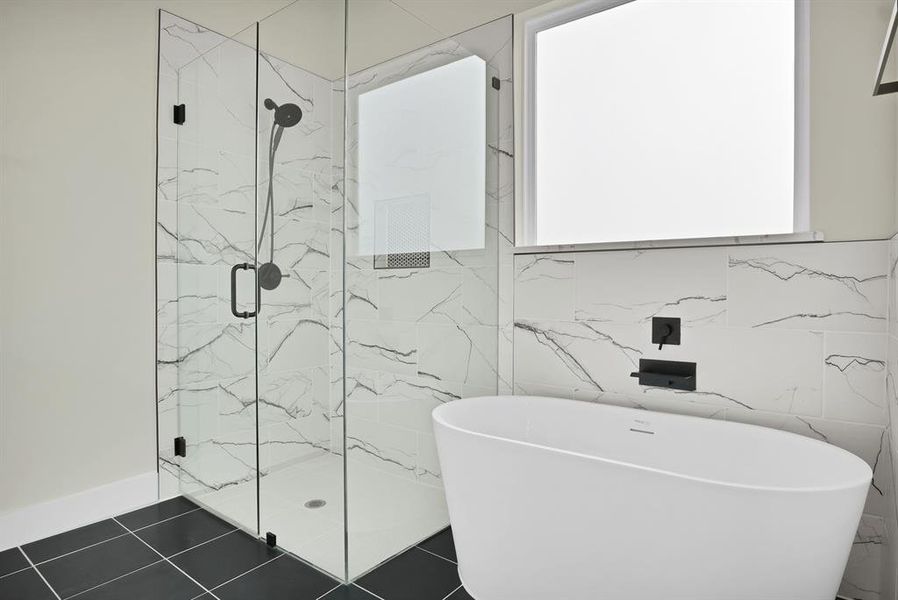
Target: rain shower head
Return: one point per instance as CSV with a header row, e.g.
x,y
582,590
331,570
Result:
x,y
285,115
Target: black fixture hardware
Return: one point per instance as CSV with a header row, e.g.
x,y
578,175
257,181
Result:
x,y
270,276
496,83
666,373
666,330
179,114
234,311
180,446
271,539
285,115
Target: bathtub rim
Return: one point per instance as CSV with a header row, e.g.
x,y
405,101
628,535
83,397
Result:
x,y
438,418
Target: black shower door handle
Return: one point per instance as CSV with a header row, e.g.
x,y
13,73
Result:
x,y
234,311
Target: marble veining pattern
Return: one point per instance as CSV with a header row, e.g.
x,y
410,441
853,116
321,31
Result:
x,y
417,338
207,359
830,287
889,569
793,336
414,339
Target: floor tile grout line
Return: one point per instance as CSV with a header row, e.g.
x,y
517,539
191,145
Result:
x,y
218,537
453,591
367,590
160,522
41,575
307,563
99,585
437,555
14,572
95,544
328,591
121,535
170,562
232,579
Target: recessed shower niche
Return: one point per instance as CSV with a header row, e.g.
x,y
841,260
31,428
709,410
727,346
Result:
x,y
299,371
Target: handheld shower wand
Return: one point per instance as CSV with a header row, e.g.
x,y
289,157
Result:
x,y
285,115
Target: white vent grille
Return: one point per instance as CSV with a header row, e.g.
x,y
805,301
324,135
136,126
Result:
x,y
403,225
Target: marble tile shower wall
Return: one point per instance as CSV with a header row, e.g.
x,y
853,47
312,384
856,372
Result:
x,y
887,539
417,338
793,337
206,221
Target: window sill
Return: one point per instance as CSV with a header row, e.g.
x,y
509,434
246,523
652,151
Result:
x,y
741,240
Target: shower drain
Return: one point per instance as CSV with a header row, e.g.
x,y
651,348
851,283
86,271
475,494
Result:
x,y
317,503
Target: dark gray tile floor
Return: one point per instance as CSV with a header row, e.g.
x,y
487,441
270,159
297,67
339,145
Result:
x,y
175,550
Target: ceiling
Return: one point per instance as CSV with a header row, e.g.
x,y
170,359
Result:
x,y
415,23
310,33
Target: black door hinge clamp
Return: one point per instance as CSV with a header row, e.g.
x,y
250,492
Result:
x,y
179,114
180,446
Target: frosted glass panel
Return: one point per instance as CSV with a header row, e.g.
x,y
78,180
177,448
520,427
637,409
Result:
x,y
422,161
658,120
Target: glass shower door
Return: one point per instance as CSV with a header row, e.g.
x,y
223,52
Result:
x,y
216,259
251,273
300,226
422,258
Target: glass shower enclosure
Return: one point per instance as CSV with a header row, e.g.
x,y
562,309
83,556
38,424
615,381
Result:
x,y
328,248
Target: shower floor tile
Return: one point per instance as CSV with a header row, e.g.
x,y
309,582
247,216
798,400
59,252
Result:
x,y
386,511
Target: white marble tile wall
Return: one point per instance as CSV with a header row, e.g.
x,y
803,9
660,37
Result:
x,y
206,223
417,338
889,568
787,336
420,337
294,319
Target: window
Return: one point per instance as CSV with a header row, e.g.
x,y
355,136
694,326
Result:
x,y
422,161
672,119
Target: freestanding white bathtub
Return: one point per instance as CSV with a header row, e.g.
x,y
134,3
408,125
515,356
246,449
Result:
x,y
561,500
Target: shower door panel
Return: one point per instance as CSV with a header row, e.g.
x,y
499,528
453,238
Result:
x,y
216,258
422,244
299,235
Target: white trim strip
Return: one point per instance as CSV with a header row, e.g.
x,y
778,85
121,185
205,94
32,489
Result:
x,y
742,240
39,521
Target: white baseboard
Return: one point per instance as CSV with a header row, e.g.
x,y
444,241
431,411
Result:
x,y
38,521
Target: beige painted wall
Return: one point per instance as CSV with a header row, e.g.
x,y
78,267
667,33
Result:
x,y
853,134
77,201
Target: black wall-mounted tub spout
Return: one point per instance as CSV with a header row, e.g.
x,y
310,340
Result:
x,y
666,373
